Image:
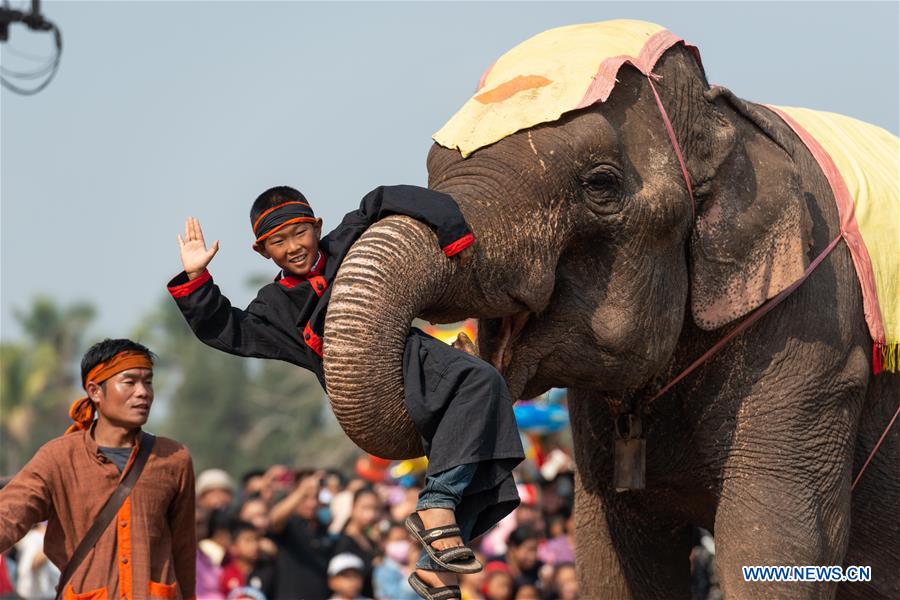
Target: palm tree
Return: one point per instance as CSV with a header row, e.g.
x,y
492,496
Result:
x,y
38,378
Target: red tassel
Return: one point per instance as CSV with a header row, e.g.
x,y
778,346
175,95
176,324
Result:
x,y
876,359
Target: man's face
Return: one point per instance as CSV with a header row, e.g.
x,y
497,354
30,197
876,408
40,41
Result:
x,y
256,513
125,398
308,507
294,247
215,498
254,485
525,554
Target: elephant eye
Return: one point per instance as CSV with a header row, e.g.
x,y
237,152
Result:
x,y
603,189
602,179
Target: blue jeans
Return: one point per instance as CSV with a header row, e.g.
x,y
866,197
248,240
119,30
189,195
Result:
x,y
445,490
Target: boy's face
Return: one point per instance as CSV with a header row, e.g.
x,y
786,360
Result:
x,y
246,546
346,584
500,585
294,247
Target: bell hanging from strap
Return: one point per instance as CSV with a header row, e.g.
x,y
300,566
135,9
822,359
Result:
x,y
630,454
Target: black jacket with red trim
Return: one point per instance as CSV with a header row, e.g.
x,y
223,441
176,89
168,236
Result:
x,y
287,318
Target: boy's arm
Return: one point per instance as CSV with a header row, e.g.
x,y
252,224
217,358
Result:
x,y
437,210
217,323
209,313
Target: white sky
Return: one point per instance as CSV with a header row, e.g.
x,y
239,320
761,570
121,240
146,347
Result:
x,y
162,110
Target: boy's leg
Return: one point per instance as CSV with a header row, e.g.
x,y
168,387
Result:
x,y
437,502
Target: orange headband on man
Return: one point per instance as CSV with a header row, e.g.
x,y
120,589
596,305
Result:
x,y
280,216
82,410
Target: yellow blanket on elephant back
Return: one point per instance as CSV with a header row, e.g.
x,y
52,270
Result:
x,y
862,164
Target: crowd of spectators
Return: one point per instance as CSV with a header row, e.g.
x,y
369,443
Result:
x,y
281,533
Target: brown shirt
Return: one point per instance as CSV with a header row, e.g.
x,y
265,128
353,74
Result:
x,y
147,551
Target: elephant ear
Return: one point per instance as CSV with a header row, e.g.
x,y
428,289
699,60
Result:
x,y
753,230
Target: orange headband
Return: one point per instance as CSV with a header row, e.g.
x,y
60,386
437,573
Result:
x,y
267,224
82,410
266,212
263,237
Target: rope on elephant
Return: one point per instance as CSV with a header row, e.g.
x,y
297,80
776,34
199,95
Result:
x,y
747,322
753,318
671,131
875,449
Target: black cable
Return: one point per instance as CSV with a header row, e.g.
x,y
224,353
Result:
x,y
33,74
26,55
50,70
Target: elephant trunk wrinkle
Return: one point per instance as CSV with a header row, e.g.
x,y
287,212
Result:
x,y
393,273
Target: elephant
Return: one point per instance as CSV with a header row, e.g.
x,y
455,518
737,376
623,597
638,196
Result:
x,y
592,271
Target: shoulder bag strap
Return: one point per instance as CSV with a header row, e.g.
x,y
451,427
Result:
x,y
107,513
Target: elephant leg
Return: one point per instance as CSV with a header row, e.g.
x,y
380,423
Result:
x,y
623,553
623,549
874,526
748,533
784,502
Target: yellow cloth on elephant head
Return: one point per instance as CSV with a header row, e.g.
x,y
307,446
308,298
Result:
x,y
862,164
568,68
554,72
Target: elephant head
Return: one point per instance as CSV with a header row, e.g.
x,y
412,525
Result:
x,y
590,248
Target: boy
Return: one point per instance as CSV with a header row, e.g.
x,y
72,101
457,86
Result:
x,y
345,577
243,554
286,321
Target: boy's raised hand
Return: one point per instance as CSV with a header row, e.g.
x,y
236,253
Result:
x,y
194,255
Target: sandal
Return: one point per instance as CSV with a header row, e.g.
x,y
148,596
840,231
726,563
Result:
x,y
458,559
450,592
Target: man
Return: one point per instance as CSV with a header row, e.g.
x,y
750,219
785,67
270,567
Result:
x,y
148,549
303,543
215,489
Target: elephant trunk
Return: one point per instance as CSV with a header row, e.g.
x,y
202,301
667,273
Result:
x,y
391,275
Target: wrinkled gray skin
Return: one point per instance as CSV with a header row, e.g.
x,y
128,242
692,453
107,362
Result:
x,y
584,226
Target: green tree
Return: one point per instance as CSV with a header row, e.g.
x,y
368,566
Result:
x,y
39,378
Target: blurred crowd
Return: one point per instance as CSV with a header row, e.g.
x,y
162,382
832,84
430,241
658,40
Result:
x,y
281,533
